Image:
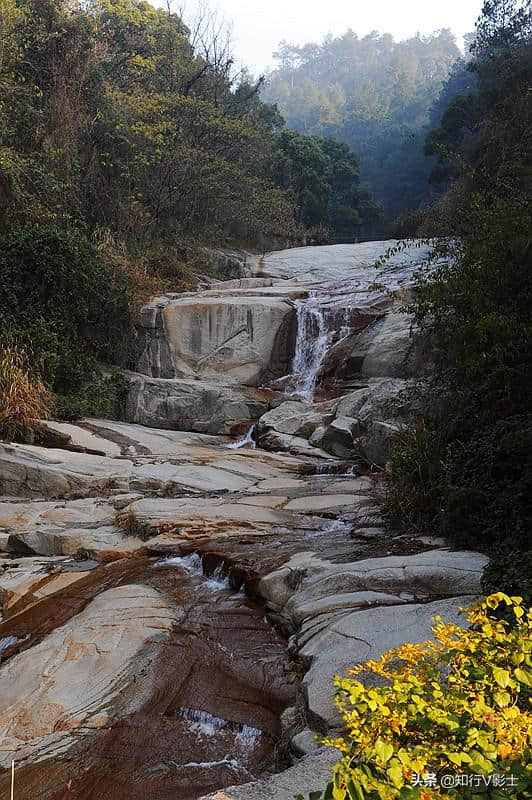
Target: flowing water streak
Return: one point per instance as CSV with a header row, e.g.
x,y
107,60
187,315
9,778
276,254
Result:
x,y
322,322
312,343
7,641
246,440
218,581
207,724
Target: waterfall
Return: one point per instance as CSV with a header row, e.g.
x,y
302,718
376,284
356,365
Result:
x,y
321,324
312,343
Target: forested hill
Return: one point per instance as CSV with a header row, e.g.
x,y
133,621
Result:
x,y
376,95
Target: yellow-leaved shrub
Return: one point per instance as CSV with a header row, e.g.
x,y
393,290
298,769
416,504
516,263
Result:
x,y
460,705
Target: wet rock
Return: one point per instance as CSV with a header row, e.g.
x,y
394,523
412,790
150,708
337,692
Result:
x,y
25,580
49,693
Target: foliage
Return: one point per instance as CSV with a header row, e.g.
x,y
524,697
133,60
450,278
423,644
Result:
x,y
460,704
61,299
374,94
469,477
323,175
104,396
116,116
23,396
510,573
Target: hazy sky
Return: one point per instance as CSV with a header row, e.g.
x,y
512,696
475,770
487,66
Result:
x,y
259,25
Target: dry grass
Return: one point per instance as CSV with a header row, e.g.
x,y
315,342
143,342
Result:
x,y
23,396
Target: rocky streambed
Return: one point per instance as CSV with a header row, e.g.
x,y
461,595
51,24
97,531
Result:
x,y
178,591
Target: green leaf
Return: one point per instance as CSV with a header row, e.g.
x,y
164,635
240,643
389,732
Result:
x,y
502,676
384,750
355,791
523,676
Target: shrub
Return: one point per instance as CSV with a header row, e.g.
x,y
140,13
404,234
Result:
x,y
460,704
413,489
510,573
61,298
487,487
104,396
23,396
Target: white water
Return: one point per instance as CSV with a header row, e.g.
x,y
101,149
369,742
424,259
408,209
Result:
x,y
318,330
312,343
8,641
207,724
230,762
191,563
218,581
246,440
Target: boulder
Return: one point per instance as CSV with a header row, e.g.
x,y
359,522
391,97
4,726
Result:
x,y
30,471
309,774
387,348
367,634
344,613
338,438
278,442
194,405
223,336
67,436
296,419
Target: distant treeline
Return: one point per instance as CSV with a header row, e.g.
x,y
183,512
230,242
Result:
x,y
379,96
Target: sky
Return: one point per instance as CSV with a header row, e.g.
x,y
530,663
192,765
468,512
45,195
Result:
x,y
259,25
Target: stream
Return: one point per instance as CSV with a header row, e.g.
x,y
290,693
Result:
x,y
171,591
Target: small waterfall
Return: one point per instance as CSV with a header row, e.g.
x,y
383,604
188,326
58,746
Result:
x,y
207,724
219,580
312,343
246,440
321,324
191,563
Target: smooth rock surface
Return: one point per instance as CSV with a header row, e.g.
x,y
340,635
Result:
x,y
90,664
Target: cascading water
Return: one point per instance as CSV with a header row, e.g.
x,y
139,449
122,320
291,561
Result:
x,y
321,324
311,346
246,440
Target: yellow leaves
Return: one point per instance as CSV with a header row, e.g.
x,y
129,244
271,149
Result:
x,y
502,676
504,750
395,773
384,750
524,676
502,699
472,719
459,758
